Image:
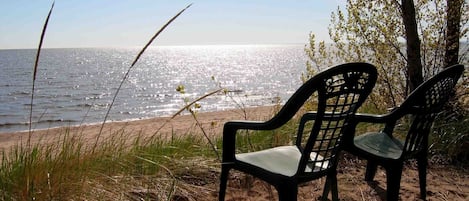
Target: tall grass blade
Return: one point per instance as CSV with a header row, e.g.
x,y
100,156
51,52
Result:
x,y
36,63
130,68
158,33
186,107
214,148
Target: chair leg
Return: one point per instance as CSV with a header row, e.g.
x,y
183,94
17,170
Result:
x,y
331,185
327,188
223,181
371,168
287,191
422,163
393,177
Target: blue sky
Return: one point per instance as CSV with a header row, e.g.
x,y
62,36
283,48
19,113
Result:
x,y
124,23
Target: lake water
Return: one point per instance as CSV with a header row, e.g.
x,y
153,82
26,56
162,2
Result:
x,y
76,86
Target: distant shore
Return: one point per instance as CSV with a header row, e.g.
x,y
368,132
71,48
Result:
x,y
212,122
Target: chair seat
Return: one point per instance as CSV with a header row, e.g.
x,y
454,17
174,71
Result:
x,y
282,160
379,144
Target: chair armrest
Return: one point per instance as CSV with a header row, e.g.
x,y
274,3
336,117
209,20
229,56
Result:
x,y
392,115
229,135
370,118
245,124
388,120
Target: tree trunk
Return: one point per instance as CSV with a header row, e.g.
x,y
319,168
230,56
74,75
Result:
x,y
414,63
452,31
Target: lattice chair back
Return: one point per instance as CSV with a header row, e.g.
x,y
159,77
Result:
x,y
338,98
424,104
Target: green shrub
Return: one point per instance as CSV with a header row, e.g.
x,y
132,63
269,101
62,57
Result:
x,y
450,135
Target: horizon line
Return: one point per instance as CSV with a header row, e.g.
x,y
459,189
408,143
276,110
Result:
x,y
165,45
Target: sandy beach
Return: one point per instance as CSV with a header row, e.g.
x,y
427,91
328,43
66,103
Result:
x,y
212,121
445,182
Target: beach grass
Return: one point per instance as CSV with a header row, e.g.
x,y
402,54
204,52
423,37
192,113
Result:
x,y
179,167
63,170
71,169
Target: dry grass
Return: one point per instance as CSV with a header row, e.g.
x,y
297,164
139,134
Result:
x,y
184,168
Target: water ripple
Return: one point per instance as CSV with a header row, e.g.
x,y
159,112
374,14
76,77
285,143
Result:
x,y
72,81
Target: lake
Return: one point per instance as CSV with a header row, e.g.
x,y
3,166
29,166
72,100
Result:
x,y
76,86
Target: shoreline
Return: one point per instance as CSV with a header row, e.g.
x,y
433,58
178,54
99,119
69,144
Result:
x,y
212,122
62,124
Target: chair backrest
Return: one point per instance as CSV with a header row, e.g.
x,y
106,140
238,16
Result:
x,y
338,92
424,104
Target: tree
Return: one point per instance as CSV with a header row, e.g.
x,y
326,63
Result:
x,y
453,27
414,64
408,41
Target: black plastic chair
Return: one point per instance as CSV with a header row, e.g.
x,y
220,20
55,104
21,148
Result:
x,y
338,92
389,148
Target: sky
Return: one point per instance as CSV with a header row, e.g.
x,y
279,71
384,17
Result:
x,y
131,23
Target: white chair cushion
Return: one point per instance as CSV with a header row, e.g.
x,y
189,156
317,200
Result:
x,y
282,160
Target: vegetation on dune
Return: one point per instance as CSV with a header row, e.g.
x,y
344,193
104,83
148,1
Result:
x,y
71,170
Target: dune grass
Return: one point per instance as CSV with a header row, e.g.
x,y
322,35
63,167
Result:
x,y
181,167
160,169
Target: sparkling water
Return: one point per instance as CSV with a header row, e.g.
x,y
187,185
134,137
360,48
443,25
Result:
x,y
76,86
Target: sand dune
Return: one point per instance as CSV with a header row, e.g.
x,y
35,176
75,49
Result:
x,y
444,182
